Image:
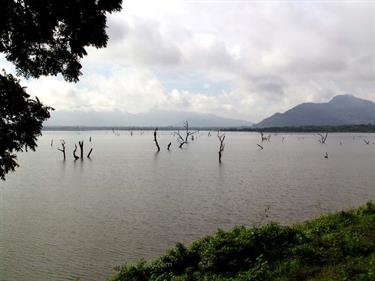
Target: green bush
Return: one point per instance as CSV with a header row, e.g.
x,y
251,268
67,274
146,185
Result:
x,y
339,246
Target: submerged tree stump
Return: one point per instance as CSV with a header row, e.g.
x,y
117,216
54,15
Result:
x,y
62,149
74,153
323,138
156,139
222,145
89,154
81,148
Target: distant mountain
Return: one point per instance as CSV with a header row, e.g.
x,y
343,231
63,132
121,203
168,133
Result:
x,y
154,118
341,110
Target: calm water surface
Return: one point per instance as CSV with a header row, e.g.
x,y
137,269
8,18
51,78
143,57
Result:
x,y
60,220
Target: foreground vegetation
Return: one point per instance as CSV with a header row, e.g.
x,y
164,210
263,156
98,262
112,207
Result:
x,y
340,246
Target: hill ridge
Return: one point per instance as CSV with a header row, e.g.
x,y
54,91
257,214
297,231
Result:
x,y
340,110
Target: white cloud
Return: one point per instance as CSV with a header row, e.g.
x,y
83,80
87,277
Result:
x,y
272,55
131,90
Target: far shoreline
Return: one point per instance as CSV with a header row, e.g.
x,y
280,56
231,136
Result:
x,y
360,128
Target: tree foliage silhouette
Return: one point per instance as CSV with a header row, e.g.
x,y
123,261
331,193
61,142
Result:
x,y
20,122
42,37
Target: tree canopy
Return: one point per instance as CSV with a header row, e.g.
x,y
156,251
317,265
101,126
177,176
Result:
x,y
42,37
20,122
48,37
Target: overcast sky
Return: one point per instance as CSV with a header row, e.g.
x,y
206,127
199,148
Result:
x,y
239,59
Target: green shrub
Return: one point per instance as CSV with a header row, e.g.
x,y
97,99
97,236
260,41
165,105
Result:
x,y
339,246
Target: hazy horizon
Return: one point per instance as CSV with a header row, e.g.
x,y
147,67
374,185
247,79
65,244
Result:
x,y
163,118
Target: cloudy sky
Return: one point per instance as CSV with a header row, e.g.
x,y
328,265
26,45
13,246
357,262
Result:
x,y
241,59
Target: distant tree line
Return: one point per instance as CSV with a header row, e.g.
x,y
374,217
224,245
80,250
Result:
x,y
362,128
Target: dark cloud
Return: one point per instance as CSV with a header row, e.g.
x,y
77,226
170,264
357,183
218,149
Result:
x,y
116,30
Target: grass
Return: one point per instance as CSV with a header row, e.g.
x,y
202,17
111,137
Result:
x,y
339,246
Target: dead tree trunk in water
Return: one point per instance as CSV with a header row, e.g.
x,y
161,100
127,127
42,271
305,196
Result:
x,y
183,140
81,148
156,139
90,151
74,153
188,133
323,138
222,145
63,148
88,155
180,139
263,138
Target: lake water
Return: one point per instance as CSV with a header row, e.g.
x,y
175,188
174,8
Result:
x,y
60,220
